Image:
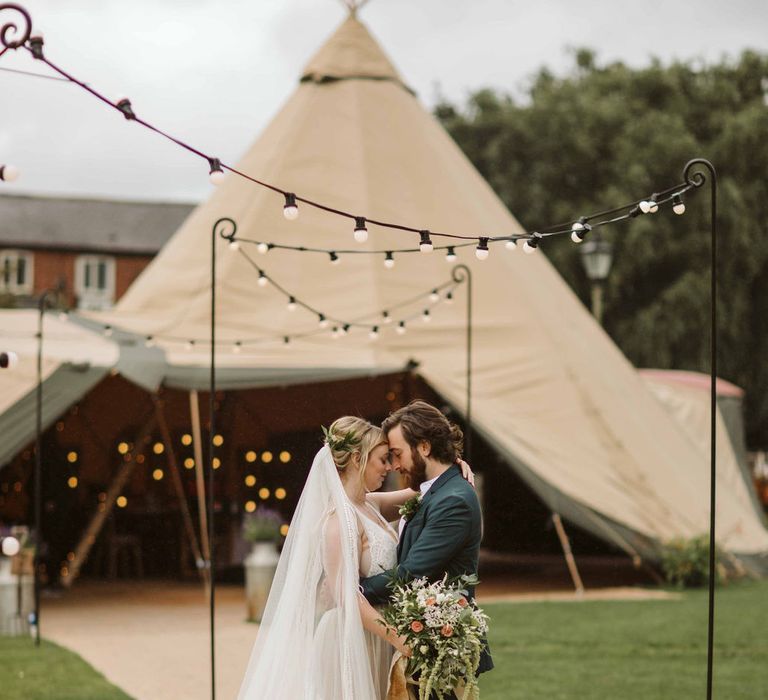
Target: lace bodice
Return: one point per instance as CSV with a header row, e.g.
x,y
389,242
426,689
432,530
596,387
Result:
x,y
381,552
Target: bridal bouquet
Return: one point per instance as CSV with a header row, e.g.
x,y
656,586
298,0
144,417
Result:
x,y
444,630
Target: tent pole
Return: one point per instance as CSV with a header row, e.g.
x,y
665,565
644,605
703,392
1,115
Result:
x,y
569,558
194,412
88,538
697,179
173,465
462,273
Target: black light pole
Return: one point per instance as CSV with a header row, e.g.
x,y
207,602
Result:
x,y
461,273
693,175
42,304
226,228
597,257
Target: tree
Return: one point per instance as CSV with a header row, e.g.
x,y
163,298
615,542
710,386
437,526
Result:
x,y
605,135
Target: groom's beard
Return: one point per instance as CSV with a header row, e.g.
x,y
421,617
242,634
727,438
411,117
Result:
x,y
418,474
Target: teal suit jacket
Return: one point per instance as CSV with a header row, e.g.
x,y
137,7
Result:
x,y
442,537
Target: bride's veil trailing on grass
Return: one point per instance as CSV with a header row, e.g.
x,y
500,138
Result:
x,y
310,645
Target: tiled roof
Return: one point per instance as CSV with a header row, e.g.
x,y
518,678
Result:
x,y
90,225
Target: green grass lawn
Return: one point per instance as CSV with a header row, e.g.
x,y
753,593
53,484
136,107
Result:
x,y
48,673
643,650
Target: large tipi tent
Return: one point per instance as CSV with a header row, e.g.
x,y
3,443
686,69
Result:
x,y
551,392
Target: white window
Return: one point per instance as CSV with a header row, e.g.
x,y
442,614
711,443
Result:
x,y
95,281
16,272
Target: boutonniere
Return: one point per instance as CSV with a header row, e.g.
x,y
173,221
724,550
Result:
x,y
410,507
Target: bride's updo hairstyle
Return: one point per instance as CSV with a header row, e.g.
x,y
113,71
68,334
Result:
x,y
350,435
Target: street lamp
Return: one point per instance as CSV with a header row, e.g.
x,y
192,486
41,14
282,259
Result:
x,y
597,257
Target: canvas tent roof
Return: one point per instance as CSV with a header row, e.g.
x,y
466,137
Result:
x,y
74,361
552,393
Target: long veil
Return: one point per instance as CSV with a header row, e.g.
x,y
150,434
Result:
x,y
310,645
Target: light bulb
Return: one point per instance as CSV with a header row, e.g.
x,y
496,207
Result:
x,y
389,261
189,345
374,333
579,229
290,209
262,281
291,304
11,546
262,248
8,173
149,342
653,205
124,105
361,232
401,328
108,331
528,248
237,347
482,252
434,296
36,45
678,206
322,321
426,316
216,175
645,206
449,298
425,244
344,329
450,256
335,260
335,332
386,317
511,244
8,360
233,244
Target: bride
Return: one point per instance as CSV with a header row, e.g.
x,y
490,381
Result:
x,y
319,638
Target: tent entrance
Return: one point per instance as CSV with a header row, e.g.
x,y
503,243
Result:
x,y
268,437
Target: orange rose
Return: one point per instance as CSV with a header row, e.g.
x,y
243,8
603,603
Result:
x,y
431,600
447,631
463,602
416,626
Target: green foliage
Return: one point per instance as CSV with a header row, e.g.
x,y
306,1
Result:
x,y
262,526
608,134
29,673
685,562
633,650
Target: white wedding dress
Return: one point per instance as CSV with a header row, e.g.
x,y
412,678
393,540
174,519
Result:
x,y
379,554
311,644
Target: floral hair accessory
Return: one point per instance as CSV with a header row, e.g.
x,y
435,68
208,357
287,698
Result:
x,y
343,443
410,507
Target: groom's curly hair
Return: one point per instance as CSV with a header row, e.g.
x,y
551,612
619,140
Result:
x,y
422,422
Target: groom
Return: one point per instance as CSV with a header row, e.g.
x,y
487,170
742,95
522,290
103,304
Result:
x,y
443,535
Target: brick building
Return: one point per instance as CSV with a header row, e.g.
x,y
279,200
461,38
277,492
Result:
x,y
89,249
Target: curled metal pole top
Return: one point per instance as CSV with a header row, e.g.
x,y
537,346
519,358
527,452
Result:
x,y
460,273
695,177
12,36
226,228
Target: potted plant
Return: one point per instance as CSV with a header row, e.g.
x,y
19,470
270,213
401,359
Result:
x,y
262,530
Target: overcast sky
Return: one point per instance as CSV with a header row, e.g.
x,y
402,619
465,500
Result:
x,y
214,72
